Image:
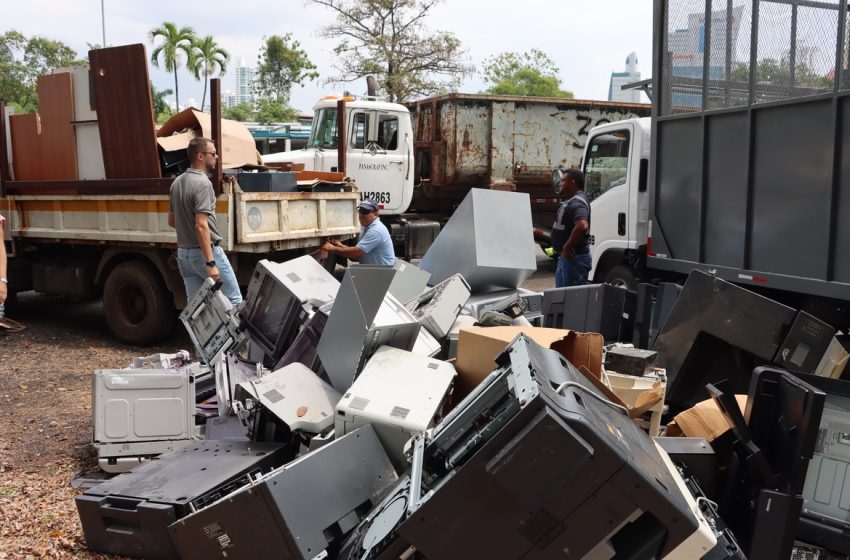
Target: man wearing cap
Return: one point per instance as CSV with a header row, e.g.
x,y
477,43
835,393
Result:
x,y
374,246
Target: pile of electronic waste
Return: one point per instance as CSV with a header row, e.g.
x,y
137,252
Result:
x,y
439,411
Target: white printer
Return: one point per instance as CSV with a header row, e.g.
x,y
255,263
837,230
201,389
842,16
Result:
x,y
400,393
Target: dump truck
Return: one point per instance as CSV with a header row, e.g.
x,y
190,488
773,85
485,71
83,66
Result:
x,y
739,172
86,200
420,159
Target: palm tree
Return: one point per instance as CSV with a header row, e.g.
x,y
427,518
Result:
x,y
174,41
207,59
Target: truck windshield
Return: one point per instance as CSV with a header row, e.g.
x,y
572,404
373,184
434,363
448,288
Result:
x,y
323,134
607,163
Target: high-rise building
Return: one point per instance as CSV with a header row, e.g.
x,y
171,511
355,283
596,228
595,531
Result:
x,y
245,83
618,79
244,90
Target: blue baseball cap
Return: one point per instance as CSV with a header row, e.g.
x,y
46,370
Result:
x,y
369,206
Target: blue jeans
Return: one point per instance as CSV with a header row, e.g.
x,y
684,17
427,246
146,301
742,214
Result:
x,y
193,269
573,272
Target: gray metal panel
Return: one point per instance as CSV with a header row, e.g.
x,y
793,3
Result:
x,y
841,272
409,281
488,240
363,317
726,189
133,405
296,511
678,186
792,180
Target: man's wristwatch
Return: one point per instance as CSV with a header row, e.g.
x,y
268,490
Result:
x,y
210,264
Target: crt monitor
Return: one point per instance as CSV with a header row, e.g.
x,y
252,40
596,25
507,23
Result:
x,y
271,312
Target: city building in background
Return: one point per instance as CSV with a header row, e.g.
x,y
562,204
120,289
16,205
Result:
x,y
619,79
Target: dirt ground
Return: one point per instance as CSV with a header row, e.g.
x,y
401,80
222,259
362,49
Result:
x,y
45,416
45,420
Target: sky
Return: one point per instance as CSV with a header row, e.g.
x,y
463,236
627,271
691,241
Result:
x,y
587,39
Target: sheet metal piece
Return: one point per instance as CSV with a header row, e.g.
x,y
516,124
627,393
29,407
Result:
x,y
363,317
488,239
294,512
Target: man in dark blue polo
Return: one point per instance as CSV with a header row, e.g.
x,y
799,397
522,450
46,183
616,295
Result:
x,y
571,232
375,245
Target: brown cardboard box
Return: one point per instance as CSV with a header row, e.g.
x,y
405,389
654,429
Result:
x,y
705,420
478,347
238,147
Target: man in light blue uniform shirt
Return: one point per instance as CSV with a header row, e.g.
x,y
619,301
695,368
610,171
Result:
x,y
374,246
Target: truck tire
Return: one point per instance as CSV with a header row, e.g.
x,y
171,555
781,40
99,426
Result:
x,y
137,305
621,275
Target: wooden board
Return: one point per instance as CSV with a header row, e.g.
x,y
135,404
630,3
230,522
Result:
x,y
58,140
124,112
26,147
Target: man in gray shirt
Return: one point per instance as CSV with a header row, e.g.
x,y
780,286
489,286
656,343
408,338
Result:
x,y
191,210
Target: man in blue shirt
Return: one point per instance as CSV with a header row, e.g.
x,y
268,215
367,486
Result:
x,y
374,246
570,232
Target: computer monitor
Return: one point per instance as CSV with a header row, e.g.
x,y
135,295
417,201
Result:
x,y
272,316
278,299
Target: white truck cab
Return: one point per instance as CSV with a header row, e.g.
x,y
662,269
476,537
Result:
x,y
378,148
616,165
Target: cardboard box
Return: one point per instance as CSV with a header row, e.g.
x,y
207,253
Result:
x,y
478,347
237,149
704,420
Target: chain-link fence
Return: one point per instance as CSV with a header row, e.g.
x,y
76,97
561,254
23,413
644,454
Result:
x,y
732,53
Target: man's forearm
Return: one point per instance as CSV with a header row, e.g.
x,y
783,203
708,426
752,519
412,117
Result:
x,y
353,253
202,232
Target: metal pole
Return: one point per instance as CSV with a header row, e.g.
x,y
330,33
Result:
x,y
103,24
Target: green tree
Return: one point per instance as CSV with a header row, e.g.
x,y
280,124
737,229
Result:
x,y
778,72
23,60
207,59
160,106
273,111
240,112
530,73
281,64
388,39
174,43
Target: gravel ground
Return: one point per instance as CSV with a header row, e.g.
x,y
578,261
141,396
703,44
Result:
x,y
45,406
